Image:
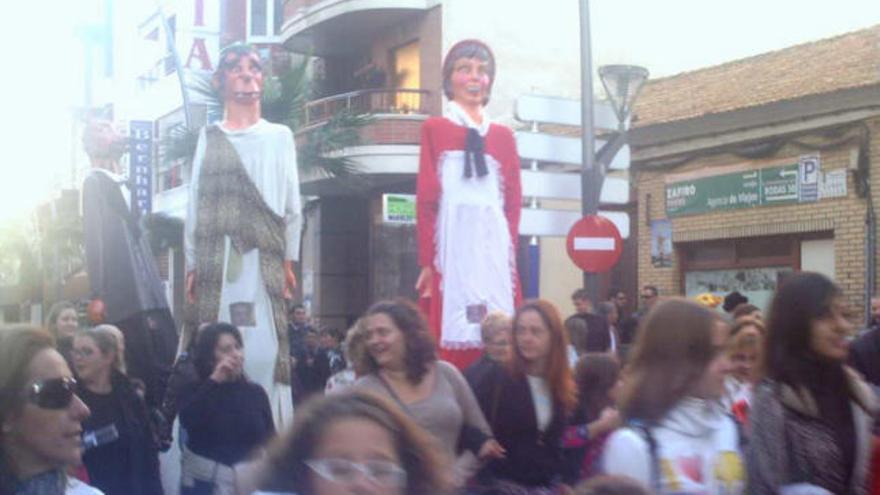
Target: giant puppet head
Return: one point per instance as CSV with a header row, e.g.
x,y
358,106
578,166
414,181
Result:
x,y
103,141
469,72
239,75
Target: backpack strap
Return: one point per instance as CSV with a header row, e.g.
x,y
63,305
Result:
x,y
645,430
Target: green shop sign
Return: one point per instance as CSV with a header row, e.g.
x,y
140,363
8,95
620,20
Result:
x,y
399,208
746,189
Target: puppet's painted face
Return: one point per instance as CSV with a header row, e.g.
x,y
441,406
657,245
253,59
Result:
x,y
470,81
243,78
104,140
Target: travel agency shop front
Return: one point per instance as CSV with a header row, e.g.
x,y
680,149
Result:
x,y
757,168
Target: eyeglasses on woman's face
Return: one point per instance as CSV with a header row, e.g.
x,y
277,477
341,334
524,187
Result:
x,y
344,471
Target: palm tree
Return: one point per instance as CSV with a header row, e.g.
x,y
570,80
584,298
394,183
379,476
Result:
x,y
284,102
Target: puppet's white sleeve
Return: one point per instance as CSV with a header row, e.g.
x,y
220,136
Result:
x,y
292,203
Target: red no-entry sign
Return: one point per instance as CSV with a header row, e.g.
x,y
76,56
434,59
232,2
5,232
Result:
x,y
594,244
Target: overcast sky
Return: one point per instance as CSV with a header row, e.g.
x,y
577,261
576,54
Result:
x,y
672,36
666,36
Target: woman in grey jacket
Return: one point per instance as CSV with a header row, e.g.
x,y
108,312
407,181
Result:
x,y
812,416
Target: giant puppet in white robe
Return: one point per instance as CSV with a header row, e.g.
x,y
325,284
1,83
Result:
x,y
243,227
468,208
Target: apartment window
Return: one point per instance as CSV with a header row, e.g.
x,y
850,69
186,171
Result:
x,y
264,20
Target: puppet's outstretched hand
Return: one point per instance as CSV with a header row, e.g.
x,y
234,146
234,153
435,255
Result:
x,y
425,282
289,280
191,287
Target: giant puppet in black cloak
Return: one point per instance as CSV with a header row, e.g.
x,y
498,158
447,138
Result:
x,y
126,290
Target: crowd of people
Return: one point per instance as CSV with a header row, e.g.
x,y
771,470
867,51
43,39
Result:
x,y
697,401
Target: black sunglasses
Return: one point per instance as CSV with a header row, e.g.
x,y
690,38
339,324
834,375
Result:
x,y
56,393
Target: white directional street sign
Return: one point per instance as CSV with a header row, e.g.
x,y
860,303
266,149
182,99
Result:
x,y
565,150
562,149
565,111
557,223
566,185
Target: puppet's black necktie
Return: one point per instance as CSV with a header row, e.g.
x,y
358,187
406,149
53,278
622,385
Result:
x,y
473,152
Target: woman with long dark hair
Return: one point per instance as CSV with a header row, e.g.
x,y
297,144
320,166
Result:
x,y
811,417
678,438
527,403
226,416
63,322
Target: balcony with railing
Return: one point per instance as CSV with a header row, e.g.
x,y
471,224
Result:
x,y
389,141
397,114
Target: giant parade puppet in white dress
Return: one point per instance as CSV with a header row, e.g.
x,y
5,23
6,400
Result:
x,y
468,198
243,227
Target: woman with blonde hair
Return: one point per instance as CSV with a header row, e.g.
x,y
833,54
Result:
x,y
123,457
354,347
745,349
678,438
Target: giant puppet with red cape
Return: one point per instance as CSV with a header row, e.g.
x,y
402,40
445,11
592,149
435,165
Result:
x,y
468,199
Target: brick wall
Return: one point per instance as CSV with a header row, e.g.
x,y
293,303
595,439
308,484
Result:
x,y
845,216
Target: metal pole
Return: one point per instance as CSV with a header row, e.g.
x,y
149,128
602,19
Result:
x,y
172,47
590,173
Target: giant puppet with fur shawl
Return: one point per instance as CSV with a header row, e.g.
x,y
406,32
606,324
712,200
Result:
x,y
243,227
468,208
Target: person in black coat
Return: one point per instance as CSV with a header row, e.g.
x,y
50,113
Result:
x,y
312,366
226,416
121,455
528,401
864,352
126,289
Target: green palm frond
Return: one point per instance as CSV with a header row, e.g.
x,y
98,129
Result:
x,y
180,144
320,154
202,91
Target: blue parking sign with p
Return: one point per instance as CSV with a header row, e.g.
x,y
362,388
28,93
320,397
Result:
x,y
808,178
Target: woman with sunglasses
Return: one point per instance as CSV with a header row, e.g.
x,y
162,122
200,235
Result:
x,y
226,416
355,442
41,417
122,456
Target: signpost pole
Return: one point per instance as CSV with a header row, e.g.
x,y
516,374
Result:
x,y
590,174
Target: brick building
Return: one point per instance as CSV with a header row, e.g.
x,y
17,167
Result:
x,y
755,168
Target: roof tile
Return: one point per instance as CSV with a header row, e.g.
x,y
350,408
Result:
x,y
847,61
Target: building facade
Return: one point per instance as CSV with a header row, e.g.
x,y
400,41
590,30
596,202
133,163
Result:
x,y
756,168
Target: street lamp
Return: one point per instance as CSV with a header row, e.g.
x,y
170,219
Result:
x,y
622,84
